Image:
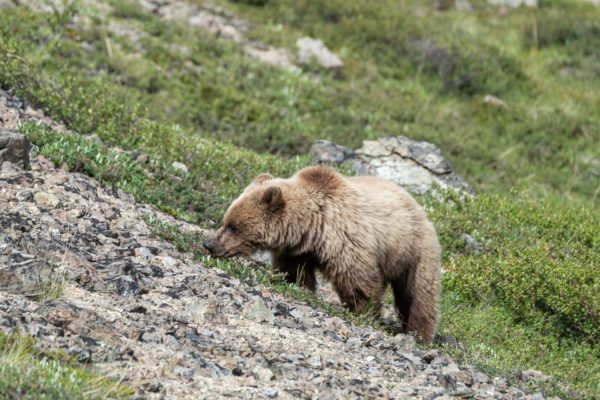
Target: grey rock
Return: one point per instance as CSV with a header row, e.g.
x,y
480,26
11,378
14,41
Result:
x,y
262,374
143,252
274,56
46,201
494,101
297,314
257,310
314,51
416,165
14,148
271,393
180,167
7,4
471,244
463,5
329,153
26,195
532,375
424,154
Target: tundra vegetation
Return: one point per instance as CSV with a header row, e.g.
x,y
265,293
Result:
x,y
526,298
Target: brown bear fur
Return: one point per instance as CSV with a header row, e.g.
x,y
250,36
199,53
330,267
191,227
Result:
x,y
361,233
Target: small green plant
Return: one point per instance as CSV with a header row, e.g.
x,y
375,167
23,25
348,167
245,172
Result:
x,y
50,288
26,373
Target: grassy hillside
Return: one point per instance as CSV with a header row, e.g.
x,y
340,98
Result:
x,y
528,299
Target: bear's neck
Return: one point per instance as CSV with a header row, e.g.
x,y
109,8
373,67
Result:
x,y
306,218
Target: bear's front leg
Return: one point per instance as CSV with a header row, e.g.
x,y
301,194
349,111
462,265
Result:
x,y
360,295
298,269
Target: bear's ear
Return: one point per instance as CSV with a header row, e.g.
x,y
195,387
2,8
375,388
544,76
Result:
x,y
262,178
273,198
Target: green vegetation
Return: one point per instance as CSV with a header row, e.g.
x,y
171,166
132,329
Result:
x,y
538,260
528,300
408,70
26,373
530,297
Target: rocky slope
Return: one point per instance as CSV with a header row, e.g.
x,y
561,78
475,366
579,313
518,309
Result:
x,y
81,271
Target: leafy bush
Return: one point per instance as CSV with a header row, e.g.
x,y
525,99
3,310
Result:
x,y
540,260
571,26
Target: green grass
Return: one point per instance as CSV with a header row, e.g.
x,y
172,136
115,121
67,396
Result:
x,y
26,373
529,300
390,86
542,140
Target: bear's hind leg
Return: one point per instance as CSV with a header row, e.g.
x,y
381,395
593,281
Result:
x,y
416,295
402,299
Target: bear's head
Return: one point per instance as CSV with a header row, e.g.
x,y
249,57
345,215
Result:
x,y
252,221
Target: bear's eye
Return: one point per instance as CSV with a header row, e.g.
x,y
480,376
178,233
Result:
x,y
231,228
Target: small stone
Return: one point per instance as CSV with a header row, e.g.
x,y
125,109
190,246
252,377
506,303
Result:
x,y
262,374
494,101
168,261
257,310
271,55
143,252
471,244
315,361
180,167
533,375
515,3
297,314
412,358
153,387
429,356
25,196
313,50
75,214
46,201
142,159
14,148
271,393
535,396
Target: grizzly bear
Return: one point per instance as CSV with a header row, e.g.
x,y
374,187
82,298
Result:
x,y
361,233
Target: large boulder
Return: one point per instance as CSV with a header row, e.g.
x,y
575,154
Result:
x,y
14,148
416,165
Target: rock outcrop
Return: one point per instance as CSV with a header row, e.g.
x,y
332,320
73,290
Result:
x,y
417,166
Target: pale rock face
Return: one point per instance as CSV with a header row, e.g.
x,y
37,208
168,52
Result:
x,y
314,51
415,165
